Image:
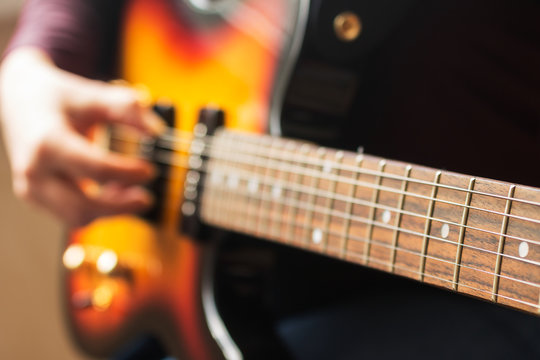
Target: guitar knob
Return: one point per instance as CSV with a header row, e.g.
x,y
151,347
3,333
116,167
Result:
x,y
102,297
73,257
347,26
107,262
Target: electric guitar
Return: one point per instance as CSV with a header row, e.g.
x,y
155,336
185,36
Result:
x,y
228,71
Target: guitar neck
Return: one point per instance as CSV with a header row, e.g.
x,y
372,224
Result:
x,y
471,235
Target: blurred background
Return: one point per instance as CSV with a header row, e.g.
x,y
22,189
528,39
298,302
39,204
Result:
x,y
31,317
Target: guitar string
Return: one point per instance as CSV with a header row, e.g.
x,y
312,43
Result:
x,y
315,161
301,188
478,249
270,142
177,160
388,264
208,142
329,176
356,201
342,215
365,221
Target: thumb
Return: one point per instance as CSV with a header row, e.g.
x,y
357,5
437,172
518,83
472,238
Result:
x,y
100,102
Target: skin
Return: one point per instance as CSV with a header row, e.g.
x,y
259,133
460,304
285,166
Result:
x,y
45,113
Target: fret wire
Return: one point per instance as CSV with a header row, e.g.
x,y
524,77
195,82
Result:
x,y
256,138
228,167
330,203
401,202
389,189
348,209
427,227
225,165
283,172
231,182
253,201
294,210
244,195
307,190
388,246
500,249
312,198
271,173
263,205
217,191
451,223
337,213
461,238
422,182
229,192
374,201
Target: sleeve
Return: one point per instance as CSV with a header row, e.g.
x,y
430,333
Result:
x,y
76,34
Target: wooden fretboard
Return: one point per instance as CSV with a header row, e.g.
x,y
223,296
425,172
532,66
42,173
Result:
x,y
471,235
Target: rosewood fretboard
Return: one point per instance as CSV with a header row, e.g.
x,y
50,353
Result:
x,y
471,235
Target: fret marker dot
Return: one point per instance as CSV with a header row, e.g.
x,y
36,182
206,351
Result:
x,y
253,186
386,216
445,231
276,191
317,236
523,249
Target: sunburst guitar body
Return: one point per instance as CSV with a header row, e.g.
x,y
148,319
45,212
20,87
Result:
x,y
131,275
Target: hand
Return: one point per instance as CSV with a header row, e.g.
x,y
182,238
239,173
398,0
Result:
x,y
45,113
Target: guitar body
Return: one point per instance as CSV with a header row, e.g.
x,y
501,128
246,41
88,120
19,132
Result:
x,y
191,59
210,294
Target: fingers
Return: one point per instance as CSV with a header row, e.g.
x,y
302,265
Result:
x,y
102,102
67,201
48,154
78,158
49,178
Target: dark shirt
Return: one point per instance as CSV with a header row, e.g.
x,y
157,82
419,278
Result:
x,y
80,36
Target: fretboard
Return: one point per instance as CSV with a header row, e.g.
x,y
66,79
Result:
x,y
472,235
